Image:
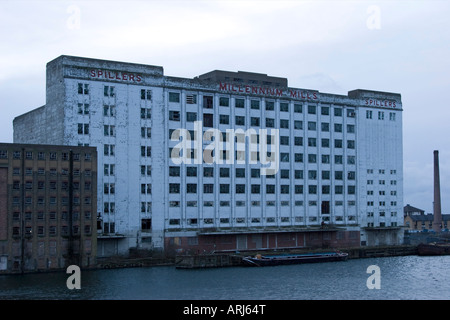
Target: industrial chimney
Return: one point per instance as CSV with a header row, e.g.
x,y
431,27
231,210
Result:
x,y
437,221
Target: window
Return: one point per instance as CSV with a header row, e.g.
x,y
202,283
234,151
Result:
x,y
284,140
146,94
108,149
240,188
83,88
270,105
312,158
191,171
254,104
109,169
83,108
83,128
312,142
191,116
173,171
380,115
146,151
208,102
298,108
146,224
240,120
256,188
174,97
224,172
109,188
109,131
351,144
191,99
224,119
392,116
146,133
325,111
108,91
298,124
208,188
350,128
338,112
270,122
208,120
368,114
146,113
239,103
284,107
173,188
224,188
240,173
337,127
337,143
191,188
311,125
174,115
311,109
254,121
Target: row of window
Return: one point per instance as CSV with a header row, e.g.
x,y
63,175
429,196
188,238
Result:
x,y
381,203
255,155
381,171
174,188
52,185
369,115
208,103
208,172
41,155
41,231
208,121
268,203
28,201
298,219
52,172
371,214
40,215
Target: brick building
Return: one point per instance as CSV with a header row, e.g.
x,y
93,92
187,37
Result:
x,y
48,207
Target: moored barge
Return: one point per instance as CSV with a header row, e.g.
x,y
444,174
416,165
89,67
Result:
x,y
284,259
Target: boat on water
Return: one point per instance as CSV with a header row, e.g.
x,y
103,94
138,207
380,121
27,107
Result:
x,y
433,249
283,259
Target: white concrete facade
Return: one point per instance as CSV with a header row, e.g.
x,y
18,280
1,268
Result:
x,y
333,156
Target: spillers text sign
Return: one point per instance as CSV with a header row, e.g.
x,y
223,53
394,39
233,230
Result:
x,y
269,91
115,75
379,103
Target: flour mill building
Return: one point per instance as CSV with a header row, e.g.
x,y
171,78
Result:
x,y
336,160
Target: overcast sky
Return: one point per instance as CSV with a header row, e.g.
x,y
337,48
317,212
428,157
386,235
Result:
x,y
331,46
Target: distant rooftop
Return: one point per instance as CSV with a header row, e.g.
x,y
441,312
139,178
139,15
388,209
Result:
x,y
244,77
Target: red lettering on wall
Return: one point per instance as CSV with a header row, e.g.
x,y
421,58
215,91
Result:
x,y
380,103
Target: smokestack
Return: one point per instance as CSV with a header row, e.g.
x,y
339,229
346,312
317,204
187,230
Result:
x,y
437,195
